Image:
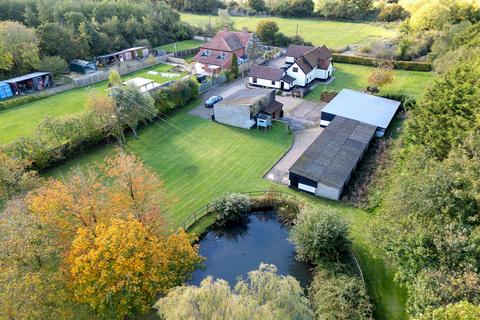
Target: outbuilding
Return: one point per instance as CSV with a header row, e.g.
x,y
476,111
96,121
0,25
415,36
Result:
x,y
82,66
242,108
5,91
363,107
327,165
135,53
268,77
31,82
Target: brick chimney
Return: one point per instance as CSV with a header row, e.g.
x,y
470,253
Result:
x,y
225,28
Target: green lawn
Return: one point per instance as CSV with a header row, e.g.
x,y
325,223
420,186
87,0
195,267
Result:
x,y
182,45
199,160
352,76
333,34
22,120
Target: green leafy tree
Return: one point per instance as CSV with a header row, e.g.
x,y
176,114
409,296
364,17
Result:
x,y
257,5
230,208
263,295
55,64
337,295
55,40
266,30
318,235
224,20
449,111
462,310
234,68
21,44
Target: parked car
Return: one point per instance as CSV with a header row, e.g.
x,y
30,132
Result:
x,y
212,100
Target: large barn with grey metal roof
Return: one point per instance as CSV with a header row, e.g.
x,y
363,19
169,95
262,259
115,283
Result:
x,y
328,163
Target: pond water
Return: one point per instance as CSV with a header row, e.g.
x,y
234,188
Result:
x,y
234,251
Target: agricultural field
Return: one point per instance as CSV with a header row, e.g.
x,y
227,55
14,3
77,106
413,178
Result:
x,y
333,34
22,120
352,76
181,45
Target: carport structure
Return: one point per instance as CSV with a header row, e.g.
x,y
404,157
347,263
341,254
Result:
x,y
31,82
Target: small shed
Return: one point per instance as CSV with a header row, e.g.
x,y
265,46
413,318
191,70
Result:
x,y
82,66
31,82
5,91
135,53
264,121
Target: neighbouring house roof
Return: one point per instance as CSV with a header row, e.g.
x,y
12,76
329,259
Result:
x,y
273,107
296,51
286,78
267,73
324,64
27,77
213,57
363,107
332,157
228,41
244,97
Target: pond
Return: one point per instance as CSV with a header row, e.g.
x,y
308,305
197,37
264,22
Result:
x,y
235,250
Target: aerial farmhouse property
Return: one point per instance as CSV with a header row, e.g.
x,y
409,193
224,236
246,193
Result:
x,y
352,119
242,108
303,66
216,55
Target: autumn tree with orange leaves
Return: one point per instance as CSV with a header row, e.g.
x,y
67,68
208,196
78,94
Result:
x,y
380,76
120,268
121,188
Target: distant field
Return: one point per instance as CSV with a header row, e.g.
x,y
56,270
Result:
x,y
22,120
355,77
182,45
333,34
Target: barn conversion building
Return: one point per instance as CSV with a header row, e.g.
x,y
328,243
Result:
x,y
362,107
300,71
326,166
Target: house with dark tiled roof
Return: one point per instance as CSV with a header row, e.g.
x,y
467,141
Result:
x,y
307,64
216,55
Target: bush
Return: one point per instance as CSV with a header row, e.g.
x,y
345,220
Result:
x,y
54,64
339,295
318,235
407,102
19,100
393,12
231,208
403,65
286,208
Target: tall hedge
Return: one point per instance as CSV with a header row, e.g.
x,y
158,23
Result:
x,y
366,61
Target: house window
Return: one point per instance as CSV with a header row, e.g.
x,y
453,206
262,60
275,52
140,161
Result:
x,y
295,69
205,53
254,80
273,83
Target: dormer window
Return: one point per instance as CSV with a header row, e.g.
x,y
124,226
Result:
x,y
205,53
221,56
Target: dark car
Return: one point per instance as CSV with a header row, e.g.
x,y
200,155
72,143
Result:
x,y
212,100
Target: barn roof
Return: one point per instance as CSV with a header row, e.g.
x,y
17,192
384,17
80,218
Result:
x,y
332,157
363,107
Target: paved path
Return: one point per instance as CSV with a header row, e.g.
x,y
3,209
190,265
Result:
x,y
301,114
303,139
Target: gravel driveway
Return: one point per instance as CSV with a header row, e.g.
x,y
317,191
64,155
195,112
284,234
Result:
x,y
224,91
303,139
